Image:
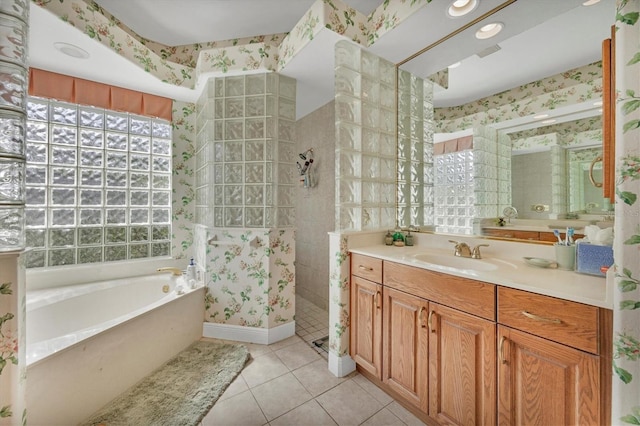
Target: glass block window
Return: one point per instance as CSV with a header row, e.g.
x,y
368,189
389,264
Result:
x,y
98,185
455,192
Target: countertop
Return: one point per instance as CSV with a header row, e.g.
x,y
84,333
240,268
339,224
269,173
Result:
x,y
511,272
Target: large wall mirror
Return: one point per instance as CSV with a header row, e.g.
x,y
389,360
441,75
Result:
x,y
517,117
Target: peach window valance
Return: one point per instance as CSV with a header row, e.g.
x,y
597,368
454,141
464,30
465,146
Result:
x,y
453,145
52,85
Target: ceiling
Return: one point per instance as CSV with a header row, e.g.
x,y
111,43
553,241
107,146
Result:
x,y
541,38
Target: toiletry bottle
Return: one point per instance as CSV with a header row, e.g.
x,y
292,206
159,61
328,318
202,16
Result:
x,y
191,271
408,239
388,239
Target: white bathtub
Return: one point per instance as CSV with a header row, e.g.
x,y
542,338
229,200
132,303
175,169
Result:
x,y
87,343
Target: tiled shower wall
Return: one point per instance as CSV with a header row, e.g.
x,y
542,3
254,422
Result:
x,y
314,205
527,192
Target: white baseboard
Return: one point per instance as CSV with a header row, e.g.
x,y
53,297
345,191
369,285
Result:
x,y
263,336
341,366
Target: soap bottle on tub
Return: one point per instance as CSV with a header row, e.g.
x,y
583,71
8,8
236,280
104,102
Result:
x,y
191,271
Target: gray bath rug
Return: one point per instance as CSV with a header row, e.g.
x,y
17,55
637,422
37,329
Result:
x,y
181,392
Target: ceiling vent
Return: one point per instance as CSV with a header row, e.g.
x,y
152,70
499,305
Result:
x,y
488,51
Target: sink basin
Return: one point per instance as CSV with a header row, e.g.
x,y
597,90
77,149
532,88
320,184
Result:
x,y
452,261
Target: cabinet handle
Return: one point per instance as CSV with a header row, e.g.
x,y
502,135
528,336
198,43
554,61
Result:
x,y
539,318
421,316
501,350
377,300
365,268
430,321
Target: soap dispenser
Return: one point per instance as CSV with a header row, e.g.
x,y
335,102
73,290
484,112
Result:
x,y
191,271
388,239
408,239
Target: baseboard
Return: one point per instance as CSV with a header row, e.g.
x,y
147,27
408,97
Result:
x,y
263,336
341,366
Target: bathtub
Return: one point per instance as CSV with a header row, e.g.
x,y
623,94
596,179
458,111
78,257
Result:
x,y
87,343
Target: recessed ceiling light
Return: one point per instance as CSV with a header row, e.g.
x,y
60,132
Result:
x,y
489,30
461,7
454,65
71,50
590,2
548,121
540,116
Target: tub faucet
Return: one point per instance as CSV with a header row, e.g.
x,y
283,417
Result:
x,y
174,271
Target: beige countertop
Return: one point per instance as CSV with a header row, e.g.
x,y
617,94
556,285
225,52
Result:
x,y
506,271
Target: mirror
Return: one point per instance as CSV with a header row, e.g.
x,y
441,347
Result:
x,y
503,94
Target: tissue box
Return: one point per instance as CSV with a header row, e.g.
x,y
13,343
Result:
x,y
590,258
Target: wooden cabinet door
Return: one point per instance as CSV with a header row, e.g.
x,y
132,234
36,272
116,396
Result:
x,y
545,383
366,325
405,346
462,367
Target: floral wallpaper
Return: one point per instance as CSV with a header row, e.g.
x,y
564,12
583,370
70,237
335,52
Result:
x,y
626,316
12,339
573,86
183,193
250,277
181,65
339,294
570,133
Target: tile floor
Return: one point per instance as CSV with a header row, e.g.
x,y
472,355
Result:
x,y
288,383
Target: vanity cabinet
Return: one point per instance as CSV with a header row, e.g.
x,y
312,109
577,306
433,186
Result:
x,y
438,340
457,351
366,314
553,360
405,346
462,367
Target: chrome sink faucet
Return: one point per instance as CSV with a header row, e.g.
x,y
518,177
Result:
x,y
462,249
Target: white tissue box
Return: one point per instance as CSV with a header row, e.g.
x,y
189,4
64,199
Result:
x,y
593,259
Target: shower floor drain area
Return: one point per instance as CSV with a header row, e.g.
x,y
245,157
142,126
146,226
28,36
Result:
x,y
322,343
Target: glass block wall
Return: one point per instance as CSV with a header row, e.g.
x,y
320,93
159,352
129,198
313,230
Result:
x,y
365,139
245,153
98,185
454,192
485,173
415,151
13,101
559,194
504,171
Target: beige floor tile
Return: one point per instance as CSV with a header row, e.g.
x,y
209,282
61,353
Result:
x,y
403,414
347,404
263,369
284,343
308,414
383,417
372,389
256,349
280,395
317,378
241,409
236,387
295,356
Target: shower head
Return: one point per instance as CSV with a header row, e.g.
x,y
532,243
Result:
x,y
302,156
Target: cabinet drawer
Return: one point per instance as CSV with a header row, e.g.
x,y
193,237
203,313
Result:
x,y
366,267
471,296
562,321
